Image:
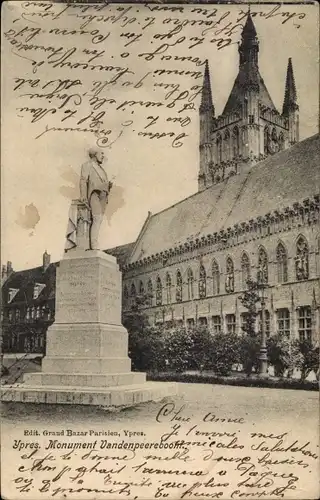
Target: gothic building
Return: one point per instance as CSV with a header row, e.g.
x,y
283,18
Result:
x,y
255,215
250,127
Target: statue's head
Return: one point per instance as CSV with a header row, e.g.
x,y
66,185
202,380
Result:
x,y
96,154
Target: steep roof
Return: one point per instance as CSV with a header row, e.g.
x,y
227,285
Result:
x,y
121,252
249,30
25,280
243,79
249,75
272,184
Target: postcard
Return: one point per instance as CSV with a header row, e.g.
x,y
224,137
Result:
x,y
160,250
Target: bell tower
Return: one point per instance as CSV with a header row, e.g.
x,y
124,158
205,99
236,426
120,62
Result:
x,y
250,127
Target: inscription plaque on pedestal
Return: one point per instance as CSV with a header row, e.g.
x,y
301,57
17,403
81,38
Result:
x,y
86,358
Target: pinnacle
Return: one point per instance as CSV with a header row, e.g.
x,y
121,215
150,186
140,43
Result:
x,y
249,30
206,96
290,93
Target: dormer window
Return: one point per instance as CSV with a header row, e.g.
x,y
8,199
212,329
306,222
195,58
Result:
x,y
12,292
38,287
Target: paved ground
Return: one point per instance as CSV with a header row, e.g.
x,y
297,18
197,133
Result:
x,y
258,405
259,410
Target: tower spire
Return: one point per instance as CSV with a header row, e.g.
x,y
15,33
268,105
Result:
x,y
290,93
249,46
206,104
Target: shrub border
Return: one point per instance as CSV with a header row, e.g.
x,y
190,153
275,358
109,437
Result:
x,y
252,381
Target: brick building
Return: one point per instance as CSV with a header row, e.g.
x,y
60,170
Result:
x,y
28,304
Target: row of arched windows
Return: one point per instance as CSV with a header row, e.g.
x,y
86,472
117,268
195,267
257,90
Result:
x,y
174,293
228,145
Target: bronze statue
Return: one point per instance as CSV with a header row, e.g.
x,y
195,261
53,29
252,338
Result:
x,y
86,214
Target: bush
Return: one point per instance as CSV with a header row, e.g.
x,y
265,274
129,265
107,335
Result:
x,y
249,352
147,350
310,358
224,353
201,347
178,347
235,381
283,354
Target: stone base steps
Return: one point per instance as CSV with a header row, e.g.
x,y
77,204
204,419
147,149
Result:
x,y
84,379
129,395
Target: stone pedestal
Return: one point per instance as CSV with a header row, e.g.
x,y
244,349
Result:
x,y
87,347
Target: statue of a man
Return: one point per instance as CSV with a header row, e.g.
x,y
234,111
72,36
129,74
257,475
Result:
x,y
86,214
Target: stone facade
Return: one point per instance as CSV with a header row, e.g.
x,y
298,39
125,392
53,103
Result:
x,y
256,211
250,127
200,282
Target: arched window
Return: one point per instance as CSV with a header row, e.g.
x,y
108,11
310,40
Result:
x,y
150,292
179,287
229,275
226,145
282,264
236,142
245,270
202,282
266,140
159,292
274,134
302,259
141,288
219,148
215,278
168,288
262,266
133,294
190,284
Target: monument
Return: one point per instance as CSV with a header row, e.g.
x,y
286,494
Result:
x,y
86,358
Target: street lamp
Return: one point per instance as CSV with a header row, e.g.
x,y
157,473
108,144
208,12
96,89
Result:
x,y
263,370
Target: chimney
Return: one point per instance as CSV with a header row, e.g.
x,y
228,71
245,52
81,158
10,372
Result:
x,y
9,268
4,272
45,261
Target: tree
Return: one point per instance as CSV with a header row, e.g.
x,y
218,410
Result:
x,y
249,299
135,319
251,340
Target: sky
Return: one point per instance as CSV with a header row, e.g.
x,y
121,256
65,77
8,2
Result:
x,y
39,176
